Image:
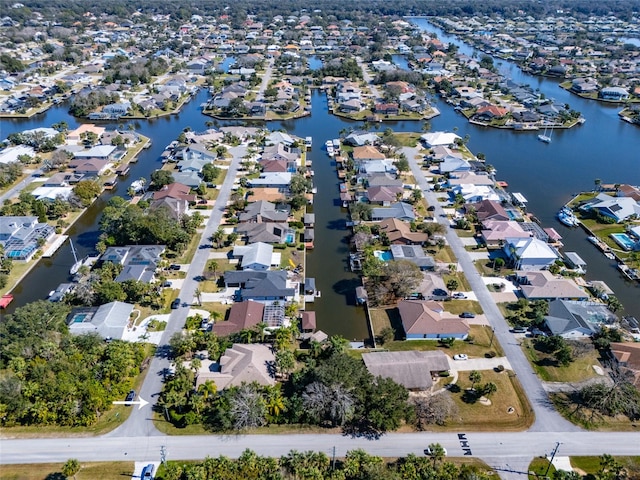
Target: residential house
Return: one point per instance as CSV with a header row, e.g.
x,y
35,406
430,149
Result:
x,y
426,320
256,256
242,316
240,364
489,210
399,232
109,321
571,319
453,164
618,94
267,232
279,180
92,167
387,108
434,139
20,237
380,179
139,261
475,193
261,286
398,210
414,254
618,208
177,191
414,370
62,179
384,195
261,211
101,152
495,232
529,253
544,285
176,208
366,153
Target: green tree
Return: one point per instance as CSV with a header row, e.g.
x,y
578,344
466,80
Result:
x,y
160,178
210,172
475,377
86,191
71,467
436,452
452,284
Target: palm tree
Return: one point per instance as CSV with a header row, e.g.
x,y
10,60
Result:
x,y
275,402
474,377
198,295
489,389
70,468
217,237
260,328
436,453
213,268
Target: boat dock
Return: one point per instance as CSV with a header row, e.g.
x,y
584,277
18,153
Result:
x,y
55,245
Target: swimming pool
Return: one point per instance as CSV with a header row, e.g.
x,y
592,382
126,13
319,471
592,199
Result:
x,y
385,256
623,240
290,238
80,317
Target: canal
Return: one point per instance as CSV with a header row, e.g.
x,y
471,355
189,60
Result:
x,y
547,174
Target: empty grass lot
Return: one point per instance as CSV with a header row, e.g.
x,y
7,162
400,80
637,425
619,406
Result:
x,y
550,371
88,470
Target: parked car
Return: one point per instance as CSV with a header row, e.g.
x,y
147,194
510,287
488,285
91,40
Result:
x,y
461,356
459,295
147,472
467,315
166,284
175,304
519,330
174,267
130,396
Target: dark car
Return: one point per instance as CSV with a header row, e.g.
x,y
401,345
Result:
x,y
175,304
174,267
467,315
130,396
438,292
431,208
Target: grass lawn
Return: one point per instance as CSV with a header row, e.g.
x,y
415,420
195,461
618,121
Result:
x,y
215,307
445,255
408,139
539,466
458,306
546,367
463,284
88,470
190,251
474,415
591,465
296,256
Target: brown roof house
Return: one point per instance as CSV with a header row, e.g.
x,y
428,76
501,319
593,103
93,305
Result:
x,y
240,364
175,190
414,370
367,152
400,232
490,210
426,320
242,315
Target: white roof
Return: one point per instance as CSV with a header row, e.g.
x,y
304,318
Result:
x,y
11,154
51,193
433,139
531,248
99,151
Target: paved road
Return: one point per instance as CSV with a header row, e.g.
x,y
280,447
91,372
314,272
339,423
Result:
x,y
498,449
17,188
547,419
139,423
367,78
265,80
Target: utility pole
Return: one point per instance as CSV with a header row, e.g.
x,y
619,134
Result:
x,y
333,461
553,454
163,454
493,332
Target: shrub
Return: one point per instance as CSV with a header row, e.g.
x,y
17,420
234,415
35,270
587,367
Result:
x,y
444,374
499,368
490,354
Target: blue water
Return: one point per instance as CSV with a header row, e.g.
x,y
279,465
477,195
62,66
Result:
x,y
400,61
290,238
385,256
624,240
314,62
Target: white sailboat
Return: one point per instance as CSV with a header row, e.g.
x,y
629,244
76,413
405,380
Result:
x,y
543,137
78,263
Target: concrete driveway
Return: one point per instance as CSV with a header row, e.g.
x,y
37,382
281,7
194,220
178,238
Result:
x,y
478,363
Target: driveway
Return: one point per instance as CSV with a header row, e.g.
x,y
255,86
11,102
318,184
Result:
x,y
478,363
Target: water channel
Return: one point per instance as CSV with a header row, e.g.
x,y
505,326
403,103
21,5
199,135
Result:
x,y
604,147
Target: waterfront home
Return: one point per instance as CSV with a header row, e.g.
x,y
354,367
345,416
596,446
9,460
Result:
x,y
74,137
361,138
414,370
109,321
92,167
398,210
529,253
11,154
101,152
191,179
62,179
175,208
139,261
475,193
435,139
267,232
238,365
626,190
571,319
49,194
20,237
176,191
380,179
414,254
495,232
262,286
256,256
618,94
399,232
384,195
427,320
468,177
261,211
453,164
367,153
544,285
279,180
618,208
488,210
242,316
